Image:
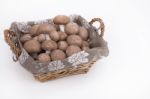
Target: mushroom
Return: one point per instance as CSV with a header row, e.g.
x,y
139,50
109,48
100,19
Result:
x,y
43,57
47,37
62,35
72,28
54,35
72,49
61,19
25,37
74,40
32,46
33,29
62,45
41,37
58,55
49,45
45,28
83,33
85,45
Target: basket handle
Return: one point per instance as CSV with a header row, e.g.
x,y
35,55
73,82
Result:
x,y
9,38
101,27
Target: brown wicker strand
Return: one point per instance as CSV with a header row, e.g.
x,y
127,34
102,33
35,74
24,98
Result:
x,y
9,35
81,69
101,27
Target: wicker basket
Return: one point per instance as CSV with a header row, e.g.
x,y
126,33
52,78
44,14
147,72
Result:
x,y
11,37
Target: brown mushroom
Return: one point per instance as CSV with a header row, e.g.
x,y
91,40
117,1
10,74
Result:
x,y
41,37
85,43
72,28
61,19
58,55
54,35
25,37
33,29
45,28
47,37
62,35
43,57
32,46
62,45
74,40
83,33
72,49
49,45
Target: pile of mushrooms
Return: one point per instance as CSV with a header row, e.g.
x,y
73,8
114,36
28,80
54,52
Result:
x,y
57,41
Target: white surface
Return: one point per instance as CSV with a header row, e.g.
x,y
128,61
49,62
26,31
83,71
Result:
x,y
125,74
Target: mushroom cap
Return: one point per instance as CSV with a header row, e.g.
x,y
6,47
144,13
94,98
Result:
x,y
74,40
62,35
45,28
47,37
41,37
62,45
54,35
58,55
25,37
49,45
61,19
85,44
83,33
72,49
43,57
33,29
32,46
72,28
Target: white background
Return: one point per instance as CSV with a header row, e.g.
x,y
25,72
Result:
x,y
125,74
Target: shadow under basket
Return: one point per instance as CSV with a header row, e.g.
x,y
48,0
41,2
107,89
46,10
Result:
x,y
78,63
